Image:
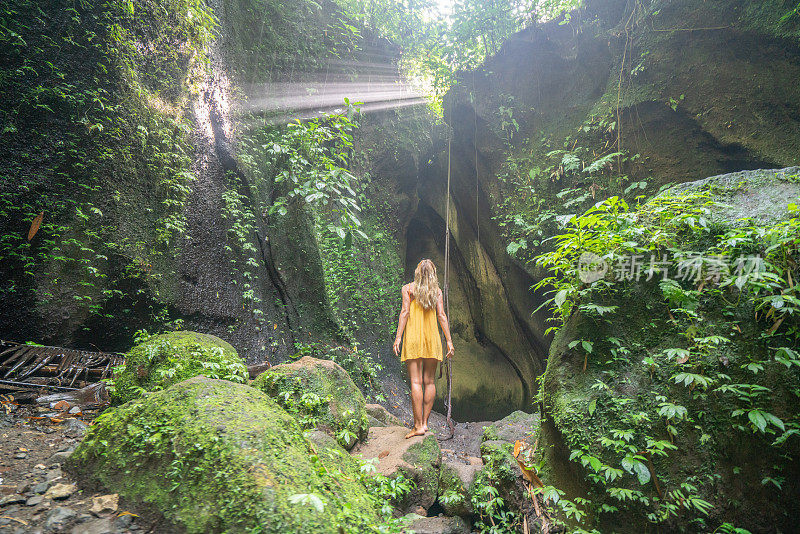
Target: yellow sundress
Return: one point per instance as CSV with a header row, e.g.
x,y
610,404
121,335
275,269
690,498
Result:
x,y
421,338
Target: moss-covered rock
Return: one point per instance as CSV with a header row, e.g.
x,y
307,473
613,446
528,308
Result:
x,y
215,456
757,196
456,487
438,525
669,368
423,462
501,468
382,415
502,472
320,393
417,458
517,425
167,359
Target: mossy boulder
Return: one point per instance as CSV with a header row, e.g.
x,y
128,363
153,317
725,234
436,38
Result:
x,y
747,197
456,487
423,461
457,480
216,456
665,371
437,525
517,425
501,468
382,415
163,360
417,458
319,393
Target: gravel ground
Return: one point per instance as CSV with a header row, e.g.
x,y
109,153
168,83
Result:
x,y
36,496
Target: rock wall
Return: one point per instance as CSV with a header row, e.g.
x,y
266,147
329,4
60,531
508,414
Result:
x,y
153,216
683,90
630,382
499,347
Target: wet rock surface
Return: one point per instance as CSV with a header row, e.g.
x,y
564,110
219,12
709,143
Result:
x,y
382,415
37,492
457,466
746,197
439,525
418,458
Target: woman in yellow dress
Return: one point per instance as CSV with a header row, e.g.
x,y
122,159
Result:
x,y
422,347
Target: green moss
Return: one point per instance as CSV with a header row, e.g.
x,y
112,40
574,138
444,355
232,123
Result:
x,y
167,359
320,393
454,496
499,456
362,279
95,136
517,425
212,455
425,452
424,459
490,433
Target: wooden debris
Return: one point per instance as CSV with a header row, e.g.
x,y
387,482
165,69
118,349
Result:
x,y
34,367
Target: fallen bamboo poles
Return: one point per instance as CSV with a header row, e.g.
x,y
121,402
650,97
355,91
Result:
x,y
27,367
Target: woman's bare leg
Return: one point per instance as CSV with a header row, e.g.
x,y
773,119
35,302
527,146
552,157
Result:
x,y
428,374
415,372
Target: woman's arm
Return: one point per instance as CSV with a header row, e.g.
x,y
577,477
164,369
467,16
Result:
x,y
444,324
401,323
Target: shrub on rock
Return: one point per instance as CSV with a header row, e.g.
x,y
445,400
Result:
x,y
320,393
163,360
215,456
501,470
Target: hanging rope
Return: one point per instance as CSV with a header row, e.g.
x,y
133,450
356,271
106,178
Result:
x,y
446,362
475,144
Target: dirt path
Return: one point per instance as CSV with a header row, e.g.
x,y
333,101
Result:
x,y
36,496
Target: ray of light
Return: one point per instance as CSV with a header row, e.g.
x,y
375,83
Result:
x,y
303,95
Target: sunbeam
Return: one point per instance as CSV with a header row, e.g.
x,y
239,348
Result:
x,y
376,86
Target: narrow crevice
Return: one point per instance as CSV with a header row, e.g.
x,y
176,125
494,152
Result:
x,y
224,153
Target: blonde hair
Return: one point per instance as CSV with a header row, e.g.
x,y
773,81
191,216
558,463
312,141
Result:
x,y
426,286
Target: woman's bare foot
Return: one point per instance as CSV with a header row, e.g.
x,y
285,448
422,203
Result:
x,y
424,428
415,432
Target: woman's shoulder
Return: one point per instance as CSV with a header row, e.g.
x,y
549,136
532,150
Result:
x,y
407,287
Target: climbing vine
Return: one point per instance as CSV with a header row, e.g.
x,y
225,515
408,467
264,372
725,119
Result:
x,y
72,139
